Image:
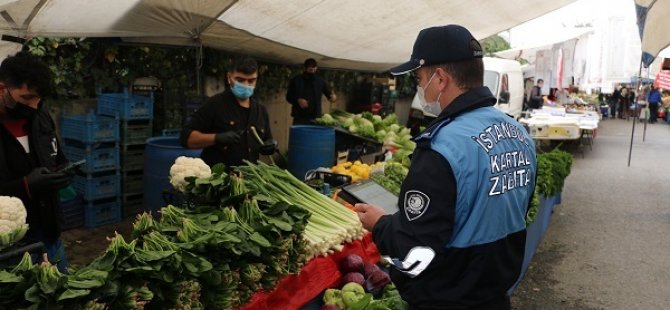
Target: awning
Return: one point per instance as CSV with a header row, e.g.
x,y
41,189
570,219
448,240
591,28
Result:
x,y
652,20
361,35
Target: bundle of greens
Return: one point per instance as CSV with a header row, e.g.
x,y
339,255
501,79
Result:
x,y
213,254
394,174
330,224
385,130
552,169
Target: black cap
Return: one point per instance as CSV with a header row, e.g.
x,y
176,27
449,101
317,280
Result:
x,y
439,45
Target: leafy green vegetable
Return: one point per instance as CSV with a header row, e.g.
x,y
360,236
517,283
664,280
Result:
x,y
552,169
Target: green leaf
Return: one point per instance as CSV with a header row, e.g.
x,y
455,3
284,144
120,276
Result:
x,y
148,256
280,224
219,168
69,294
361,303
33,294
84,284
260,240
277,208
8,277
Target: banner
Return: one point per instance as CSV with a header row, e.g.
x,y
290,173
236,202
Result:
x,y
663,79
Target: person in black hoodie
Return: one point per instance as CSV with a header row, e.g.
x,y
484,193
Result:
x,y
30,151
304,94
222,127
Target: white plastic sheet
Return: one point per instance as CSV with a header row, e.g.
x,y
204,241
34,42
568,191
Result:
x,y
349,34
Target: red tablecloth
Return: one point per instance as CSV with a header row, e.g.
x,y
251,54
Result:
x,y
320,273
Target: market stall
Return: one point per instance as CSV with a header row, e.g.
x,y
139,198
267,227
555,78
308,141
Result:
x,y
563,123
256,239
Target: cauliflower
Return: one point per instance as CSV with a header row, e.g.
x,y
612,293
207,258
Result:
x,y
6,226
12,221
12,209
185,167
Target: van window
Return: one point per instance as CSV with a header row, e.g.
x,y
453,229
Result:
x,y
491,81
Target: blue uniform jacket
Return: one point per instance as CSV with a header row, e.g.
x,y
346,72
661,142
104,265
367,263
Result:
x,y
469,186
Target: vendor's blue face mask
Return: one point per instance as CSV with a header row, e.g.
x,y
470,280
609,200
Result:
x,y
242,91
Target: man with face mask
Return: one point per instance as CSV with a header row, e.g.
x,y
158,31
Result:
x,y
30,151
222,127
458,238
304,94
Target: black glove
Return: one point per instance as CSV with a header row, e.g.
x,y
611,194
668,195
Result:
x,y
269,147
227,138
41,180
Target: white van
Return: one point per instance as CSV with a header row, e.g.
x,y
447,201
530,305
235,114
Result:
x,y
505,80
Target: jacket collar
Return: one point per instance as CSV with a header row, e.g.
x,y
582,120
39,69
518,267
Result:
x,y
472,99
475,98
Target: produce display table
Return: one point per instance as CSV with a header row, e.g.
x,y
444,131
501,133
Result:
x,y
535,232
554,123
320,273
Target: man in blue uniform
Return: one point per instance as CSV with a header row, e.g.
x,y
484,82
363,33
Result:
x,y
458,238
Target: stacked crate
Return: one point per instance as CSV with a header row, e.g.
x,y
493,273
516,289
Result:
x,y
96,139
136,120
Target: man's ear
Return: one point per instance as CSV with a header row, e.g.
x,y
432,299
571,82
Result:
x,y
444,78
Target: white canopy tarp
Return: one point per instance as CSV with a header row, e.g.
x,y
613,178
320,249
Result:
x,y
361,35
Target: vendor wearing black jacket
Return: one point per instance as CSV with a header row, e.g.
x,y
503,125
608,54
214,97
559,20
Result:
x,y
304,94
458,238
30,151
222,127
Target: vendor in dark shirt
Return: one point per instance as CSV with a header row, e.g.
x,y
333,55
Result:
x,y
304,94
222,127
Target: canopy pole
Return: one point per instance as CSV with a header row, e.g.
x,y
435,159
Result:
x,y
632,134
198,67
647,117
644,132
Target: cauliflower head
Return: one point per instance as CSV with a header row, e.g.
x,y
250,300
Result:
x,y
185,167
12,210
12,221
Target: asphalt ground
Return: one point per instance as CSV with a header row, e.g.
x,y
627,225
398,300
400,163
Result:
x,y
608,243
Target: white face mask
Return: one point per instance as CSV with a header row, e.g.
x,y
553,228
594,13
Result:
x,y
432,107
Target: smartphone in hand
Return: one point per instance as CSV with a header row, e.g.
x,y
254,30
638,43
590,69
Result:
x,y
70,167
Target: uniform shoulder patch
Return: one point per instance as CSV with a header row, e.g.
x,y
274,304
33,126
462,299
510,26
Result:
x,y
415,204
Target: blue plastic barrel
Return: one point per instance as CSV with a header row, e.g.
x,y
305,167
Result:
x,y
159,155
310,147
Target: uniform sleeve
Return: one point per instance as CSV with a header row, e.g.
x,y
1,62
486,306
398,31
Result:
x,y
202,120
426,209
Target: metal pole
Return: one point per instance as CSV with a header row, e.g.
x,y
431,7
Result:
x,y
646,119
644,132
632,134
198,67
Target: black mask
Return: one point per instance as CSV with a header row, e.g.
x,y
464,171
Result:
x,y
19,110
309,75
